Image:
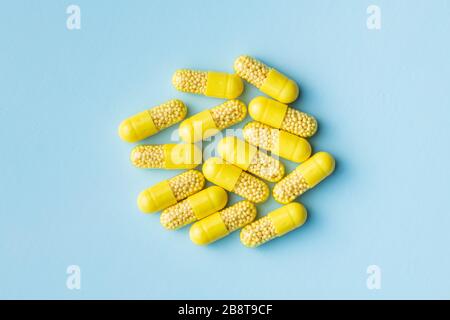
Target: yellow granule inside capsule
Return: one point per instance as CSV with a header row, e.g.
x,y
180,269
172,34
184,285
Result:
x,y
228,113
238,215
190,81
252,70
261,135
251,188
186,184
266,167
290,187
177,215
148,156
299,123
168,113
258,232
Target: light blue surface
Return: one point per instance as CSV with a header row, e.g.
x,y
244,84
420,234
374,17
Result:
x,y
68,189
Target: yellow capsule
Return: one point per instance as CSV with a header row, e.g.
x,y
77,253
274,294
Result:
x,y
304,177
222,223
196,207
279,142
280,116
266,79
209,83
149,122
249,158
275,224
208,122
168,192
234,179
166,156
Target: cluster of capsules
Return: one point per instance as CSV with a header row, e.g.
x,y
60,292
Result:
x,y
242,165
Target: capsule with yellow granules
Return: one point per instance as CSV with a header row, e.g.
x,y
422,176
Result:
x,y
149,122
273,225
209,122
249,158
280,116
279,142
304,177
209,83
266,79
234,179
166,156
195,207
169,192
222,223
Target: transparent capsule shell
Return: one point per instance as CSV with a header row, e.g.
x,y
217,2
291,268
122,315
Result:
x,y
151,121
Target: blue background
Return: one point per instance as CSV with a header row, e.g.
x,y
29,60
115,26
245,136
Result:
x,y
68,190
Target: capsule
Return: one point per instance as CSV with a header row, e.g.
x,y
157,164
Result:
x,y
249,158
273,225
169,192
209,83
279,142
208,122
222,223
280,116
266,79
304,177
196,207
234,179
166,156
149,122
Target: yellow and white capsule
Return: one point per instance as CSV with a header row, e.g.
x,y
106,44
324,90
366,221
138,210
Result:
x,y
222,223
166,156
273,225
208,122
279,142
234,179
266,79
169,192
249,158
196,207
280,116
209,83
304,177
149,122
